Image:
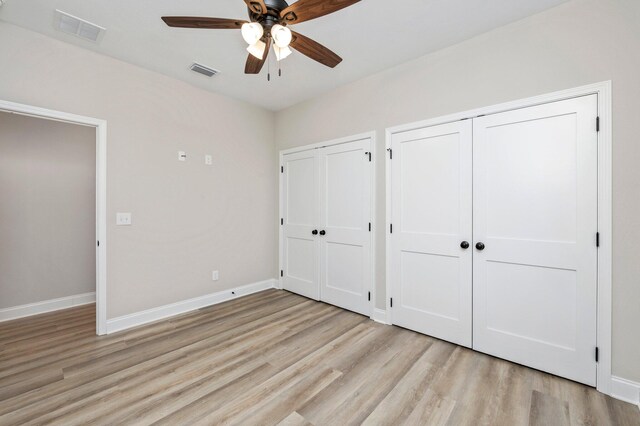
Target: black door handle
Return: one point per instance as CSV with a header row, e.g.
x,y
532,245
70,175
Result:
x,y
464,244
323,232
480,246
314,232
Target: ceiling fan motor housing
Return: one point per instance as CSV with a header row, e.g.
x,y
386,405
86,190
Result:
x,y
277,5
271,17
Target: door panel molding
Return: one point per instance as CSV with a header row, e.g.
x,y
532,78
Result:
x,y
535,209
432,215
604,255
364,142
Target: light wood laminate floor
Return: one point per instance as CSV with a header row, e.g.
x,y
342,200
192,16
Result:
x,y
272,358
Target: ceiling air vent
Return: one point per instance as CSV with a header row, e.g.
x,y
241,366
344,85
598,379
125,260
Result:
x,y
78,27
201,69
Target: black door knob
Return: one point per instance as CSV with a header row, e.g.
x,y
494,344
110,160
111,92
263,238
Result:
x,y
323,232
464,245
314,232
480,246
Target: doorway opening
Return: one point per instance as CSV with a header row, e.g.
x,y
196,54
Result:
x,y
53,220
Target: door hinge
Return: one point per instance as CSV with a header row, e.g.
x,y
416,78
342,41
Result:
x,y
369,297
281,169
369,226
281,273
597,124
390,153
391,302
98,243
281,221
597,354
597,239
369,154
391,228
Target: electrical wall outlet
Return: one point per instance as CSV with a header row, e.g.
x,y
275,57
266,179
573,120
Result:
x,y
208,160
214,276
123,219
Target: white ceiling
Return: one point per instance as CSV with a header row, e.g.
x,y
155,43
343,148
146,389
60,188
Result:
x,y
370,36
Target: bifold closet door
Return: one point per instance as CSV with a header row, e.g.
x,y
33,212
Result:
x,y
535,224
301,246
430,239
345,213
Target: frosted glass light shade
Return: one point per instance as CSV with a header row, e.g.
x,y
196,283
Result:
x,y
281,35
257,49
252,32
281,52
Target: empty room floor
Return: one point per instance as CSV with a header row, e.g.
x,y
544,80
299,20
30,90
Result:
x,y
273,358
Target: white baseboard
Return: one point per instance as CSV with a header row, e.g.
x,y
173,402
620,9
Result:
x,y
7,314
380,315
139,318
625,390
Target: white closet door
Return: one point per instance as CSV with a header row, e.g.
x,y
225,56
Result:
x,y
345,213
301,247
535,211
431,272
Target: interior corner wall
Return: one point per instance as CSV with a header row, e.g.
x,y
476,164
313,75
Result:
x,y
47,210
578,43
188,218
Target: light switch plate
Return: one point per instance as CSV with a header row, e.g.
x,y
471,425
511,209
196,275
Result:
x,y
123,219
182,156
214,276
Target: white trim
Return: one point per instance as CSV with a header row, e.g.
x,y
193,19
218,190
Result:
x,y
368,135
605,220
374,221
101,192
162,312
387,175
625,390
15,312
380,315
603,90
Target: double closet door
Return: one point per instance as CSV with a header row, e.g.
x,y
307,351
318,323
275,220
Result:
x,y
326,238
493,244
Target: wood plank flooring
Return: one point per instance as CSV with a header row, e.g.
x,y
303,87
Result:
x,y
272,358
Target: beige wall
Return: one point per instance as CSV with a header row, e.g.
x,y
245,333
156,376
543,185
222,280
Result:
x,y
188,219
581,42
47,210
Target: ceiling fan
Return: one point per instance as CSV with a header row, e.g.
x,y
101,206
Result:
x,y
269,20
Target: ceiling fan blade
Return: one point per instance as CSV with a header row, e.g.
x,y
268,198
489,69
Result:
x,y
305,10
314,50
256,6
201,22
254,65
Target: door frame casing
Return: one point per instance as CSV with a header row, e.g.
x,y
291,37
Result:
x,y
367,135
101,192
604,292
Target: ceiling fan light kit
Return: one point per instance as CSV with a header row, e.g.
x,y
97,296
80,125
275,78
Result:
x,y
252,32
281,52
257,49
281,35
269,20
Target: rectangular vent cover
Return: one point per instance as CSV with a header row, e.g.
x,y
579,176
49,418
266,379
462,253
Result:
x,y
201,69
78,27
